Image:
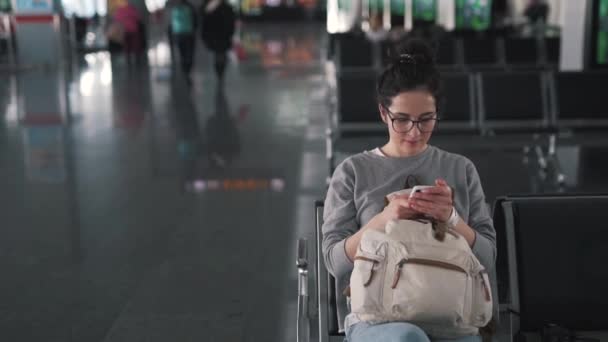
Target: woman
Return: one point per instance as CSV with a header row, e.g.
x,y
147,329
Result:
x,y
376,32
181,33
407,92
129,18
218,21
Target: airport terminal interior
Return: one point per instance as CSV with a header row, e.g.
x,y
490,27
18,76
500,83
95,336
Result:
x,y
143,199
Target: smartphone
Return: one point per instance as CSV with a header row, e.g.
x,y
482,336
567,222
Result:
x,y
419,188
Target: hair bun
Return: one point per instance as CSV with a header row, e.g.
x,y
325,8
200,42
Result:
x,y
406,58
412,67
413,51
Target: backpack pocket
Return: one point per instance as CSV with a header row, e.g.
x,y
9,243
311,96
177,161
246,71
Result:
x,y
479,299
367,278
429,291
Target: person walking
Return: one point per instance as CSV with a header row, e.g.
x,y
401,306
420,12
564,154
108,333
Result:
x,y
218,26
182,26
129,19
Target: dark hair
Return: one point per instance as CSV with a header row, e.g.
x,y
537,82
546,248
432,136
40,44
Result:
x,y
411,67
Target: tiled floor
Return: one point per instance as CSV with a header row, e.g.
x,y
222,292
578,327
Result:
x,y
158,213
161,213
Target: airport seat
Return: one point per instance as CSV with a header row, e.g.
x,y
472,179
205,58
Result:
x,y
322,324
356,103
356,114
387,51
447,53
552,48
550,260
354,52
575,108
482,53
521,53
457,103
446,48
514,101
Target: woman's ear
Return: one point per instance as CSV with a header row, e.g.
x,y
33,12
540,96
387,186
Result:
x,y
382,113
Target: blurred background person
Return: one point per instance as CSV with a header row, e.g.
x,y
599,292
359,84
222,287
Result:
x,y
182,25
376,32
217,28
537,12
128,17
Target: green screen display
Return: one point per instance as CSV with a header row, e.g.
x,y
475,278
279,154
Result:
x,y
425,10
602,33
376,5
344,5
397,7
473,14
5,5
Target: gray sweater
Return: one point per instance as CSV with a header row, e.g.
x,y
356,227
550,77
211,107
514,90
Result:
x,y
356,194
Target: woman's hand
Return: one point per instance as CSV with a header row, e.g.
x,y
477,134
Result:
x,y
435,202
399,209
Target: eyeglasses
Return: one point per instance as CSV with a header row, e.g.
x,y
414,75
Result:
x,y
404,125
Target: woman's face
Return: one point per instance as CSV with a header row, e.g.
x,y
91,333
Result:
x,y
411,119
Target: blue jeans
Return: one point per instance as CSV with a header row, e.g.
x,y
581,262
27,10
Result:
x,y
395,332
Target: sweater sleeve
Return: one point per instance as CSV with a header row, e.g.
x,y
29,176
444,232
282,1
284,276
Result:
x,y
480,220
339,220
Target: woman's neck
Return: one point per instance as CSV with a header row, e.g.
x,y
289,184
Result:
x,y
390,150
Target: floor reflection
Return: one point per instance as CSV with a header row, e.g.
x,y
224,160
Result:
x,y
131,99
222,143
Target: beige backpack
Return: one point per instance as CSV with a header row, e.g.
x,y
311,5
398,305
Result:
x,y
405,274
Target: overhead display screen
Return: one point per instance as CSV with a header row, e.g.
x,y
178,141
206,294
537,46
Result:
x,y
425,10
473,14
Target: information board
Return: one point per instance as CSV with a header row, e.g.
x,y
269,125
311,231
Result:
x,y
473,14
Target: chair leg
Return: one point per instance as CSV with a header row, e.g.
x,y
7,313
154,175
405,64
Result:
x,y
550,171
542,161
303,326
303,319
560,177
550,164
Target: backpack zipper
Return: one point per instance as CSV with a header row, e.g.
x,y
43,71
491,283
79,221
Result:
x,y
425,262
